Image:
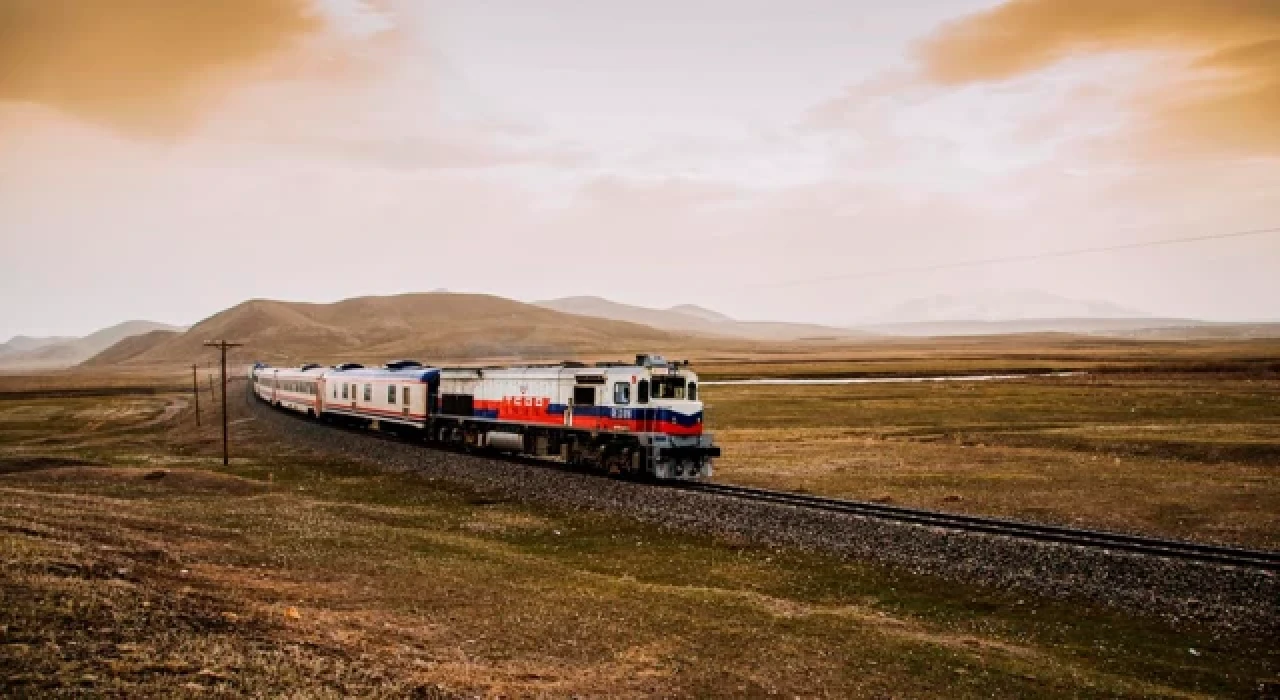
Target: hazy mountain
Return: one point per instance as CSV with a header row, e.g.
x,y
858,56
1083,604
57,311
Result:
x,y
131,348
26,343
688,318
66,352
1084,326
1002,305
431,327
700,312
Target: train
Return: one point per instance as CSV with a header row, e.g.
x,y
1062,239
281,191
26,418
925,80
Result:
x,y
641,419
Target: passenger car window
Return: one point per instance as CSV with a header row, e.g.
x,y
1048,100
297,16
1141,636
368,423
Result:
x,y
344,391
368,392
584,396
391,394
621,393
406,396
642,391
693,391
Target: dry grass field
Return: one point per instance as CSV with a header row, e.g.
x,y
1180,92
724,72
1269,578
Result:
x,y
135,565
1042,352
1175,439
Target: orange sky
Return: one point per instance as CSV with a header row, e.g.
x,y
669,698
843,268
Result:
x,y
721,153
1223,95
145,67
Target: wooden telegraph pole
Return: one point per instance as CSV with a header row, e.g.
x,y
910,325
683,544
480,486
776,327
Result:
x,y
195,389
223,345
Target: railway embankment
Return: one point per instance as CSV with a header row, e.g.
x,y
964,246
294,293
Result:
x,y
1230,599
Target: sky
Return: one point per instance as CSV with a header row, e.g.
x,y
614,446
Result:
x,y
817,160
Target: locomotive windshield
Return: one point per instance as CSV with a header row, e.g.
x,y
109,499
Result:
x,y
668,387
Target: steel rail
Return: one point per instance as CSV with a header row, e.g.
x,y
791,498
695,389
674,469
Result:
x,y
1081,537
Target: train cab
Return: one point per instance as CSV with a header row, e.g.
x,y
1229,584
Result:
x,y
673,430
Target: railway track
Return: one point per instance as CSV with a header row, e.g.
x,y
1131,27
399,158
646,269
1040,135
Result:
x,y
1079,537
1094,539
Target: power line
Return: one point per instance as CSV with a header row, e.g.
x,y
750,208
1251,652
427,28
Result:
x,y
1028,257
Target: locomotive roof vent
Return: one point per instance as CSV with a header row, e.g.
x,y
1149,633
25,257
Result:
x,y
309,365
403,364
647,360
348,365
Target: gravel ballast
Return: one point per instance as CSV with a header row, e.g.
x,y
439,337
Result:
x,y
1229,599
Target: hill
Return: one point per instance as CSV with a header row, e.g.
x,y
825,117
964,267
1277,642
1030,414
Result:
x,y
700,312
434,327
688,318
26,343
130,348
55,353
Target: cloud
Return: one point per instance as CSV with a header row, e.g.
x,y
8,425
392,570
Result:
x,y
1224,98
139,66
357,82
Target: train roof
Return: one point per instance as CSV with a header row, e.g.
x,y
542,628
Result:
x,y
542,372
400,373
311,370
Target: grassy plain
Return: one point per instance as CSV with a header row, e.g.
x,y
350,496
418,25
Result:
x,y
1178,439
1043,352
135,564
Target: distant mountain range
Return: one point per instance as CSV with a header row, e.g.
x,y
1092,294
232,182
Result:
x,y
1079,326
988,313
687,318
447,327
27,353
1005,312
1002,305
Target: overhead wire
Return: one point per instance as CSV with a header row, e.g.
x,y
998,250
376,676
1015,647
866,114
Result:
x,y
1026,257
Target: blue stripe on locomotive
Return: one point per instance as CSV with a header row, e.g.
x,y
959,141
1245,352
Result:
x,y
655,415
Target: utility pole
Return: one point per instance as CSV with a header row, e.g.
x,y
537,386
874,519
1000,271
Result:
x,y
195,389
213,395
223,345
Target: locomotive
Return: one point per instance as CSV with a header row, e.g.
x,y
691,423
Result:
x,y
641,419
